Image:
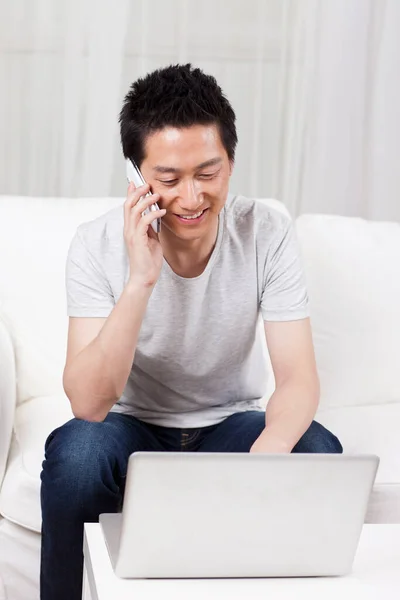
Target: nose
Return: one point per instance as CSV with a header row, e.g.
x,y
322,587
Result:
x,y
191,197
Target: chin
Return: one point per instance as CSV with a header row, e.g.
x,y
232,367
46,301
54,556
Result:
x,y
183,234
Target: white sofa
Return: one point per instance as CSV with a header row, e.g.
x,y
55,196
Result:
x,y
353,275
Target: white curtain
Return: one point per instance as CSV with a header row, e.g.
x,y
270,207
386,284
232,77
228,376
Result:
x,y
314,84
339,123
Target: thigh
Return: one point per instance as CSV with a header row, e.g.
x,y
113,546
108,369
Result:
x,y
237,433
118,432
318,440
80,453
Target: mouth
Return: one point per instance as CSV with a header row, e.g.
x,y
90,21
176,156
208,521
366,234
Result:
x,y
192,219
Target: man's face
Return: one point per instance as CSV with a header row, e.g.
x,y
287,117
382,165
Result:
x,y
190,169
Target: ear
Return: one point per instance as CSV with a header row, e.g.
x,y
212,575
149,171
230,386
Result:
x,y
231,165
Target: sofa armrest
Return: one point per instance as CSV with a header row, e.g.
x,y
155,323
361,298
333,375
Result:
x,y
7,395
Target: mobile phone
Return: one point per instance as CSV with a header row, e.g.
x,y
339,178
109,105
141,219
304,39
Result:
x,y
133,174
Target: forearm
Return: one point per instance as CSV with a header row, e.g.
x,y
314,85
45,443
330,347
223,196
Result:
x,y
290,412
97,376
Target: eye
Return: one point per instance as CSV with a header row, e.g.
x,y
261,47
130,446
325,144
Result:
x,y
208,175
168,182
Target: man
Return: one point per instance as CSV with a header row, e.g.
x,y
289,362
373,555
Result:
x,y
163,350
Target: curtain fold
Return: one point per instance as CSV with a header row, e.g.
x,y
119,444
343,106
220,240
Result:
x,y
340,122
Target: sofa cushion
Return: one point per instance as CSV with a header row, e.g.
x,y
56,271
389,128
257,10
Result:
x,y
20,493
19,562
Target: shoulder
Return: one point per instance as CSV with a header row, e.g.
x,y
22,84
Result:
x,y
104,232
260,217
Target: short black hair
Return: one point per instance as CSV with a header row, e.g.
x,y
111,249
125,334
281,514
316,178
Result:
x,y
174,96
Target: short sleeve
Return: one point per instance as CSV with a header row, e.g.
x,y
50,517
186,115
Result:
x,y
284,294
89,293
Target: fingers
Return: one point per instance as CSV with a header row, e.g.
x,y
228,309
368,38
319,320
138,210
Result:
x,y
133,197
136,203
149,218
140,207
134,193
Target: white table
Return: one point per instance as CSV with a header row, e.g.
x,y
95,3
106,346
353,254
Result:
x,y
376,574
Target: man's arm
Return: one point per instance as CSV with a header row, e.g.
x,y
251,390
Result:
x,y
293,404
100,355
101,352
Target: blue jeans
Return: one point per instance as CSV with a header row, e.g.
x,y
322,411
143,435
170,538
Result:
x,y
84,474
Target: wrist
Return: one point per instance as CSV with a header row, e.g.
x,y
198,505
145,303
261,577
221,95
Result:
x,y
139,287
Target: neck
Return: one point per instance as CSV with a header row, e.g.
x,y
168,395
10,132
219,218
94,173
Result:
x,y
188,258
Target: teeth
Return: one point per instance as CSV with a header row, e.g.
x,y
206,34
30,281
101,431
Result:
x,y
193,216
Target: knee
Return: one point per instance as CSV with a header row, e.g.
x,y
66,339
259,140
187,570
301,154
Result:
x,y
74,454
317,439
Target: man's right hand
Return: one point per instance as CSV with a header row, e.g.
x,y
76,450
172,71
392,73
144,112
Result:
x,y
142,243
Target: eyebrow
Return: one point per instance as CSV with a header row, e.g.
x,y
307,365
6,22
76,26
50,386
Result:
x,y
207,163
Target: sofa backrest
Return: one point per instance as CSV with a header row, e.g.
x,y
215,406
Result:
x,y
353,277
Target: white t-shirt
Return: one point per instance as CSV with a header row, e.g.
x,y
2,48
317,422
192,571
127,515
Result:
x,y
199,356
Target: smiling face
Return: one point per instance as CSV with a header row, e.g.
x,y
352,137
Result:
x,y
190,169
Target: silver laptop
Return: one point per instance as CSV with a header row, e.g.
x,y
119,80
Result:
x,y
239,515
